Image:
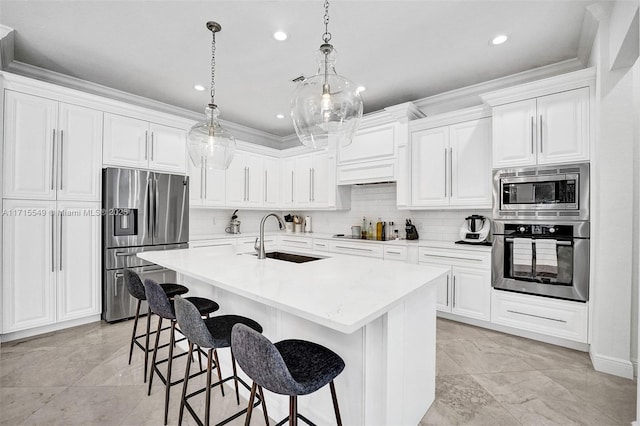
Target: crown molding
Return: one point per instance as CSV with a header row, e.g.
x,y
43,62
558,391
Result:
x,y
407,111
470,95
453,117
568,81
6,46
592,17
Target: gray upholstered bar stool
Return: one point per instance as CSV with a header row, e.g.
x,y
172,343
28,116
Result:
x,y
162,306
211,333
289,367
136,290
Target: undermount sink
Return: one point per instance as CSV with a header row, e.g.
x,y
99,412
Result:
x,y
290,257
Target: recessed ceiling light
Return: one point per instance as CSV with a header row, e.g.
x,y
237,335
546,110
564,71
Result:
x,y
280,116
199,87
360,89
280,35
499,39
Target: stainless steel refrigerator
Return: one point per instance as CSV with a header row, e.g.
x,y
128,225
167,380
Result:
x,y
142,211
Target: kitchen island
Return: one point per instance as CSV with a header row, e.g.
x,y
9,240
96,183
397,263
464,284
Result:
x,y
379,316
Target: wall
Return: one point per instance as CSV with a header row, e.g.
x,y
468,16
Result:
x,y
612,212
370,201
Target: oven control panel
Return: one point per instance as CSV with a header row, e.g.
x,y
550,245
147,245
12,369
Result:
x,y
536,230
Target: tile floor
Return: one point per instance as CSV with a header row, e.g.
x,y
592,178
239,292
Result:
x,y
80,376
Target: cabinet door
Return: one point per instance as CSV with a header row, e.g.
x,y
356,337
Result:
x,y
78,266
196,184
79,153
471,292
167,149
215,187
444,288
255,180
125,141
29,263
237,181
271,182
563,127
323,180
29,139
470,163
288,178
514,138
429,167
302,181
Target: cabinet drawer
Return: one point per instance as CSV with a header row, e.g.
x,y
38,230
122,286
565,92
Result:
x,y
358,249
320,245
229,242
295,242
248,243
393,252
560,318
455,257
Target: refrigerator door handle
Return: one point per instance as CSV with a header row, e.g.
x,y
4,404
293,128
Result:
x,y
149,194
60,234
156,217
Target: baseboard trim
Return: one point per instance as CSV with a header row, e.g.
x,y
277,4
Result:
x,y
615,366
23,334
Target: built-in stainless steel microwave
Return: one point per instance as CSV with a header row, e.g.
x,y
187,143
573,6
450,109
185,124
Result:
x,y
544,192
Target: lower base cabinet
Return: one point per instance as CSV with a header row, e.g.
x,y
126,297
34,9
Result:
x,y
51,262
467,289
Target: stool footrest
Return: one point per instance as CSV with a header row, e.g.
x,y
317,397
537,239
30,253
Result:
x,y
300,416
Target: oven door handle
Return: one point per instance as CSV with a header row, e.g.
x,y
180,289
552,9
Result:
x,y
560,243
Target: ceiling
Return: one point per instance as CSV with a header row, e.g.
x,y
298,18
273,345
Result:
x,y
400,50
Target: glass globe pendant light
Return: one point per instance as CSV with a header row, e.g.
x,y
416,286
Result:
x,y
209,145
326,107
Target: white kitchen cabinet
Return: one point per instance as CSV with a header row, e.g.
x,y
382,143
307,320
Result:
x,y
295,242
451,165
244,180
309,182
356,248
51,262
206,187
467,289
549,129
52,150
395,252
134,143
271,195
78,276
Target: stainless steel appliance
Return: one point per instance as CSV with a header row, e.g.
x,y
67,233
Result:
x,y
142,211
546,259
544,193
476,229
234,224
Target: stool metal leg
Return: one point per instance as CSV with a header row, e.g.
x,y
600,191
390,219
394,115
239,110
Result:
x,y
184,384
167,388
335,403
293,410
235,377
207,406
252,396
155,353
215,354
146,344
135,327
264,406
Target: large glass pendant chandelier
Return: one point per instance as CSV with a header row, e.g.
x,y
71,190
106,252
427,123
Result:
x,y
326,107
209,145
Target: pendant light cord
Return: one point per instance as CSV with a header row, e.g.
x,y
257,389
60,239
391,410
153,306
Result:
x,y
213,67
327,35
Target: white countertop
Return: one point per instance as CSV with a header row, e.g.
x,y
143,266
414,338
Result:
x,y
340,292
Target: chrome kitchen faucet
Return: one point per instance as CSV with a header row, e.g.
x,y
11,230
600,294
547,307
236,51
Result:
x,y
259,244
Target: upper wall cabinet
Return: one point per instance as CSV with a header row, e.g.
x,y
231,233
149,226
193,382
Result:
x,y
545,122
245,178
451,165
52,150
130,142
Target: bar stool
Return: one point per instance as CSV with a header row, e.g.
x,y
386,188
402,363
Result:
x,y
136,290
163,307
211,333
289,367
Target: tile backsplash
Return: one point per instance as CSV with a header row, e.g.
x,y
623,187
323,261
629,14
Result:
x,y
370,201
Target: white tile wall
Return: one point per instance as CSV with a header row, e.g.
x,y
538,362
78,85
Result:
x,y
370,201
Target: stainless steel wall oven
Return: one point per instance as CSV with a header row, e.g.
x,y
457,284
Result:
x,y
549,259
